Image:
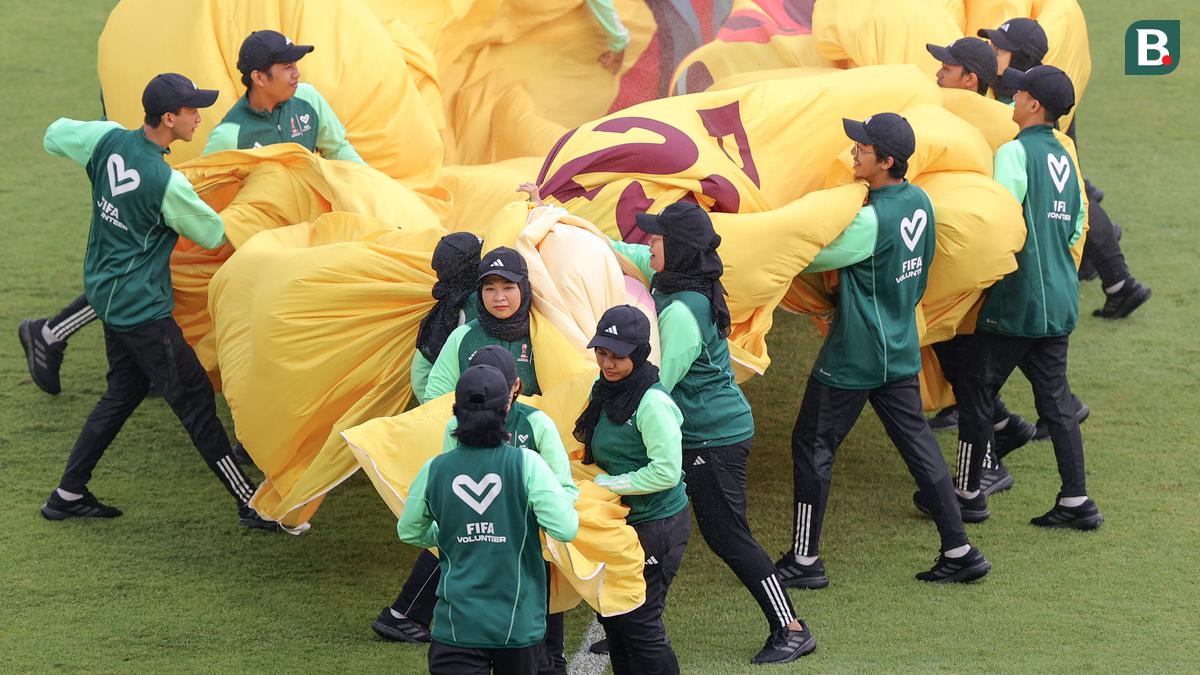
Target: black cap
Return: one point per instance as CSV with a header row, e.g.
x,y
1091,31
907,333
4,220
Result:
x,y
169,92
482,388
499,358
1019,35
621,330
265,47
1049,85
684,222
973,54
890,133
504,262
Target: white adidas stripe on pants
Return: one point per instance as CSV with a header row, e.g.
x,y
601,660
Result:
x,y
234,478
73,323
778,600
803,528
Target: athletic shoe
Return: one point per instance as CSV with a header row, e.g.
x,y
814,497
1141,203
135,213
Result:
x,y
1043,429
239,454
248,517
946,570
599,647
995,478
974,510
1086,516
1122,303
946,418
794,575
785,646
57,508
42,358
392,629
1013,436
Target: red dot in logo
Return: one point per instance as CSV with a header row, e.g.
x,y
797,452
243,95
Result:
x,y
1167,60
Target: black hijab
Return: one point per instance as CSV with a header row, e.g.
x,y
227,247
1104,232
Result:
x,y
619,400
695,266
454,260
508,264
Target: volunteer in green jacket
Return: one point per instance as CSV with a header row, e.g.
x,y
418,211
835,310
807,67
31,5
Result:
x,y
277,107
872,353
140,206
631,430
1027,317
455,261
685,270
481,505
408,619
504,300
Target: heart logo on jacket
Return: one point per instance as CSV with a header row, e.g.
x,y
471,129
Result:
x,y
120,179
479,496
1060,170
912,229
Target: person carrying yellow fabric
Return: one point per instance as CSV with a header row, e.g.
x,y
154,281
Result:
x,y
455,260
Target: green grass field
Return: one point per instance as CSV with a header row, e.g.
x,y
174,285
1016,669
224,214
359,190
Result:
x,y
175,585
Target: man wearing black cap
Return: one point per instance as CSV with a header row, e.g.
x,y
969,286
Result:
x,y
277,107
140,207
967,63
872,353
1027,317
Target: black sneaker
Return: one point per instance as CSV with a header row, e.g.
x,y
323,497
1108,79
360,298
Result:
x,y
388,627
1043,429
248,517
794,575
599,647
1122,303
946,418
57,508
1086,516
42,358
1013,436
785,646
995,478
968,568
973,510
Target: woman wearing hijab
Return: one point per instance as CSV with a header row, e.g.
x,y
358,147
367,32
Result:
x,y
455,261
482,504
718,427
630,429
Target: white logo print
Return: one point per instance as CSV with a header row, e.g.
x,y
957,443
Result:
x,y
473,494
612,330
120,179
651,560
911,230
521,438
304,118
1004,28
699,461
498,263
1060,170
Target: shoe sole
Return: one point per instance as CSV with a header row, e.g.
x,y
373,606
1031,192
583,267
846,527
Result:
x,y
1084,524
964,576
51,513
1126,307
1001,485
392,635
810,584
260,525
809,646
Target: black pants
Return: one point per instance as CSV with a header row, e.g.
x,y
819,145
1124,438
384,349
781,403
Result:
x,y
954,356
71,318
155,352
1044,362
716,485
419,596
827,415
1102,248
637,640
450,660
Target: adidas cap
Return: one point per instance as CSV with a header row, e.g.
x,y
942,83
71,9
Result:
x,y
504,262
621,330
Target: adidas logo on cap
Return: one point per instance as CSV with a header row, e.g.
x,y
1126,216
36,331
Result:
x,y
612,330
497,263
1004,28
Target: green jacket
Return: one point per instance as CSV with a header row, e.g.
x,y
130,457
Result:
x,y
456,354
305,118
140,206
883,257
482,508
1041,297
420,367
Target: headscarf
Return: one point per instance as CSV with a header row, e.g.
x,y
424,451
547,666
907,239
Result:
x,y
454,260
695,266
619,400
515,327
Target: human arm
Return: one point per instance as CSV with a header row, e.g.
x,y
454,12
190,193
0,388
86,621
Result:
x,y
658,420
331,135
615,32
555,510
550,447
187,214
680,343
419,374
638,254
855,244
1081,218
224,136
416,525
1009,170
443,376
75,140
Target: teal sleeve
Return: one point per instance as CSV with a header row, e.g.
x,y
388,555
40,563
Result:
x,y
658,420
550,447
75,140
555,510
187,214
416,525
679,338
331,135
1082,216
1009,169
449,442
638,254
610,21
419,374
223,137
855,244
443,376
